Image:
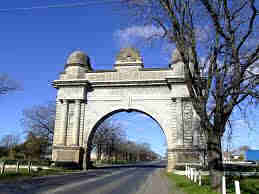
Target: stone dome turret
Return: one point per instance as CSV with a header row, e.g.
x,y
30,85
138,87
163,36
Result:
x,y
128,56
176,56
177,62
78,57
77,64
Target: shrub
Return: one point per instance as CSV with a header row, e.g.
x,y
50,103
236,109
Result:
x,y
67,165
198,167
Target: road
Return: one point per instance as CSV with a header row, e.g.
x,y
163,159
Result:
x,y
144,178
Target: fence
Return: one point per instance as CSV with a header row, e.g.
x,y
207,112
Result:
x,y
16,165
195,176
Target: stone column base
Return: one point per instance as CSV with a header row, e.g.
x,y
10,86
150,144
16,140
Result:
x,y
171,161
187,154
182,155
73,154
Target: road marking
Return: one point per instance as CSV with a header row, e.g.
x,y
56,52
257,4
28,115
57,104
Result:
x,y
115,184
72,185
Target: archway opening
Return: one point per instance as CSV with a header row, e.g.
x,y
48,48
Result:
x,y
126,136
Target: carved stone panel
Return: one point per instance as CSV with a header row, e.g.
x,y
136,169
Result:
x,y
70,123
71,93
67,155
187,119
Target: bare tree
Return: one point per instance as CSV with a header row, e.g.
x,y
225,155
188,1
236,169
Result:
x,y
34,146
110,141
106,137
38,121
9,142
7,85
217,40
242,149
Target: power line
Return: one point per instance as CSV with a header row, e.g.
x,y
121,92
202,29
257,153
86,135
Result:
x,y
68,5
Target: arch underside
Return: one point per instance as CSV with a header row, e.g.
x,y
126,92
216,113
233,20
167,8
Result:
x,y
163,112
98,123
172,116
95,116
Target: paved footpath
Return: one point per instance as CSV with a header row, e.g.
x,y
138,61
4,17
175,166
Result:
x,y
139,179
156,183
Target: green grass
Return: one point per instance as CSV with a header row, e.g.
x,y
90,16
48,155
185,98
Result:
x,y
23,173
248,185
187,186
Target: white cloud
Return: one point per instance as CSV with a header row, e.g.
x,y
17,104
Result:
x,y
133,34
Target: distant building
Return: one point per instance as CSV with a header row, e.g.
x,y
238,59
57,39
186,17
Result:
x,y
252,155
236,156
227,156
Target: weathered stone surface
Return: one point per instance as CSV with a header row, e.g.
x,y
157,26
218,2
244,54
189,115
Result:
x,y
83,101
78,57
71,93
127,56
176,56
67,154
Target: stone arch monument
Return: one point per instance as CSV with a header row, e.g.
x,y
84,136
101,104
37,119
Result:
x,y
85,97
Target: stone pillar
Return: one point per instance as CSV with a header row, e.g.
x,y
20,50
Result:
x,y
57,126
179,122
64,122
171,160
77,123
195,129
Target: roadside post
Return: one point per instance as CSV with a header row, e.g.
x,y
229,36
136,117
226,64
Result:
x,y
195,175
186,170
191,174
29,167
223,184
200,178
3,168
17,166
237,187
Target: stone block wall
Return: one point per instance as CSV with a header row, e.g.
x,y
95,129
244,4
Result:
x,y
86,97
58,121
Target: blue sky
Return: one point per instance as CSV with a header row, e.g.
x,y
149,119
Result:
x,y
35,44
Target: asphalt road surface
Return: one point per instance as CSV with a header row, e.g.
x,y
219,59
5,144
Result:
x,y
144,178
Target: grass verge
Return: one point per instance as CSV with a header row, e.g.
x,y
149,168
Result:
x,y
248,185
187,186
13,176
